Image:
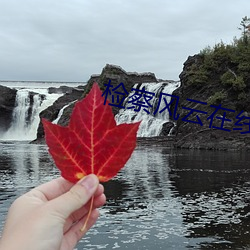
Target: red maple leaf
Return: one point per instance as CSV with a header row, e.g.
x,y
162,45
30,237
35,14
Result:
x,y
92,142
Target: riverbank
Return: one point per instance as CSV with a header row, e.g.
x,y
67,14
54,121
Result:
x,y
172,142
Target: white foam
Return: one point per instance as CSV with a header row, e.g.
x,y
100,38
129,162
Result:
x,y
151,125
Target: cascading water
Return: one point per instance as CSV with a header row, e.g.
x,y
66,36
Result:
x,y
20,113
61,112
151,125
25,117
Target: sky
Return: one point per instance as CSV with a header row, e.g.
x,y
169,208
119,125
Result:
x,y
69,40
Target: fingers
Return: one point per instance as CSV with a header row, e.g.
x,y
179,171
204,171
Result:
x,y
77,215
75,234
75,198
99,190
54,188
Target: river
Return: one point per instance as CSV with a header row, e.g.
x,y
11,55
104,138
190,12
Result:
x,y
162,199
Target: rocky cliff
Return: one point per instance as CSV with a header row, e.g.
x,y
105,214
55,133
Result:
x,y
212,108
117,75
7,104
110,72
51,113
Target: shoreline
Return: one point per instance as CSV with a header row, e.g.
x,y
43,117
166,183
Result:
x,y
172,142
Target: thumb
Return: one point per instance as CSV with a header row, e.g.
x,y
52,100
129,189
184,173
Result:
x,y
76,197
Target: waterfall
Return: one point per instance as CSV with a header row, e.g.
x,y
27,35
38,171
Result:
x,y
151,124
61,112
25,117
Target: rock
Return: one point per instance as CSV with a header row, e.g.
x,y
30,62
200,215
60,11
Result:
x,y
110,72
60,90
31,101
191,60
7,105
63,89
191,134
52,112
166,128
117,75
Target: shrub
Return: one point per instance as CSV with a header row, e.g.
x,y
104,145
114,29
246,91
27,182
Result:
x,y
197,75
216,98
206,51
239,84
227,78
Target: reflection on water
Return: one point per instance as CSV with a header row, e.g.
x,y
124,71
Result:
x,y
22,167
161,200
141,209
215,191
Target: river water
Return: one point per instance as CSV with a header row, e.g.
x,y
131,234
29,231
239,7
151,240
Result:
x,y
162,199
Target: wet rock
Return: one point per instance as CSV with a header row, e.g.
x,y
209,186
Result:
x,y
51,113
166,128
7,105
64,89
110,72
117,75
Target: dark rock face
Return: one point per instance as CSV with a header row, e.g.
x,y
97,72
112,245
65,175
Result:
x,y
52,112
202,134
63,89
166,128
60,90
7,104
117,75
31,103
110,72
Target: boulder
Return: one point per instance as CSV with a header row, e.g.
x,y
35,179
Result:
x,y
64,89
111,74
7,105
166,128
117,75
51,113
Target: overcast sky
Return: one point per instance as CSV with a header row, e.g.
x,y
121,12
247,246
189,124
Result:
x,y
68,40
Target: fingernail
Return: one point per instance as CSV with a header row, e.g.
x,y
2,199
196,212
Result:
x,y
89,182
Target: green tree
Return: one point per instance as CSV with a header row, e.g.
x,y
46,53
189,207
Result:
x,y
245,28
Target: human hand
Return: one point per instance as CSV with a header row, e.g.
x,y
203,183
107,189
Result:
x,y
50,216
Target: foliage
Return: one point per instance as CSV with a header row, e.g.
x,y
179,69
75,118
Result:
x,y
231,79
197,75
216,98
92,143
245,28
226,66
239,84
206,51
228,78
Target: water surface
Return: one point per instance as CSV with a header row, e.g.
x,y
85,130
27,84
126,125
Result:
x,y
162,199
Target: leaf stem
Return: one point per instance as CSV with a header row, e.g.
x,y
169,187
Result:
x,y
84,228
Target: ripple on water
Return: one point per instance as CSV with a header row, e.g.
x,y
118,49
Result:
x,y
158,201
